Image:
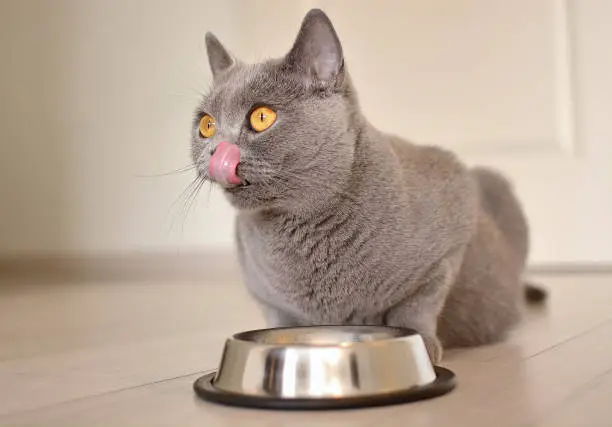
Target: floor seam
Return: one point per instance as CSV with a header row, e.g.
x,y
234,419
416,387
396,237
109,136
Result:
x,y
565,341
102,394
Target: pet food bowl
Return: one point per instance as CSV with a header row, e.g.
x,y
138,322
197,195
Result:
x,y
324,367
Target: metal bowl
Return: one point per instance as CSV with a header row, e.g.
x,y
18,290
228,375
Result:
x,y
322,367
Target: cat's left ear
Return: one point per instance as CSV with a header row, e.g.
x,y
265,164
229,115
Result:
x,y
317,53
219,58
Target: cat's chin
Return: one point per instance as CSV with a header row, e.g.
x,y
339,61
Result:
x,y
236,189
244,197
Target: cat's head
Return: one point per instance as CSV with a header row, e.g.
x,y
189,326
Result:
x,y
281,133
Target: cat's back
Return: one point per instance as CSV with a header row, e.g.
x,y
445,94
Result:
x,y
429,162
436,179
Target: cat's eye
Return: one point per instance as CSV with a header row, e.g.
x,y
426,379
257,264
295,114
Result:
x,y
262,118
207,126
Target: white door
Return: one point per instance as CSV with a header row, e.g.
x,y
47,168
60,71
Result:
x,y
524,86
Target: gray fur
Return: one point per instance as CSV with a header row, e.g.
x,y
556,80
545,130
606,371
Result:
x,y
341,223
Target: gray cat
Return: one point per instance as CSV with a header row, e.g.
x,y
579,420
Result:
x,y
340,223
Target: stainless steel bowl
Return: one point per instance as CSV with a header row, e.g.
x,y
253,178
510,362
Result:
x,y
324,367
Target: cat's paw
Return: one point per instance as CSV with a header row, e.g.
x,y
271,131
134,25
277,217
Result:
x,y
434,348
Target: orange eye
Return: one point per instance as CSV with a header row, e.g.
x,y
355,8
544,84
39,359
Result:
x,y
207,126
262,118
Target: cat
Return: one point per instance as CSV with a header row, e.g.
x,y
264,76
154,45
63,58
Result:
x,y
340,223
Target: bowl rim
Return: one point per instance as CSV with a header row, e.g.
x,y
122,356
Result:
x,y
402,334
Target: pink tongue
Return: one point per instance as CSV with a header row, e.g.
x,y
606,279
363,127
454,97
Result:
x,y
223,164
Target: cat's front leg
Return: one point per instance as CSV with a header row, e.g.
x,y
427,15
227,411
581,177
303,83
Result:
x,y
421,318
421,309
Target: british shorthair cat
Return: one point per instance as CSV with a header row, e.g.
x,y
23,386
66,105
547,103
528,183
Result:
x,y
341,223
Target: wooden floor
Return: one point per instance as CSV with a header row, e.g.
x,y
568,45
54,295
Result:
x,y
126,354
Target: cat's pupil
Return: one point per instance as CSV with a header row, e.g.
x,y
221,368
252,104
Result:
x,y
262,116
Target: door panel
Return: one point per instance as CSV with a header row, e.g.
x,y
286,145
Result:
x,y
523,86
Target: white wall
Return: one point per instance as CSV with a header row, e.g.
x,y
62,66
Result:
x,y
99,91
94,94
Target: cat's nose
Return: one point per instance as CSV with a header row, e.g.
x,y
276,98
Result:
x,y
223,164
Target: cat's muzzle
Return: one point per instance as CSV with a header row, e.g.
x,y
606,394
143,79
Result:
x,y
223,165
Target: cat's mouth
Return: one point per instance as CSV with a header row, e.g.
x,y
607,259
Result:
x,y
240,173
244,182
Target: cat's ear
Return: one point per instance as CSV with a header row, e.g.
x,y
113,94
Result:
x,y
219,58
317,53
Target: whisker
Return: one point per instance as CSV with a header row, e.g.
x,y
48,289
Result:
x,y
275,176
195,96
185,191
210,189
278,174
366,220
192,197
184,169
312,179
185,198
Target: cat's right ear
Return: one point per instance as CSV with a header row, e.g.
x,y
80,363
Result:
x,y
317,54
219,58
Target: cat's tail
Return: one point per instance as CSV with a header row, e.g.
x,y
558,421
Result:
x,y
500,202
535,294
